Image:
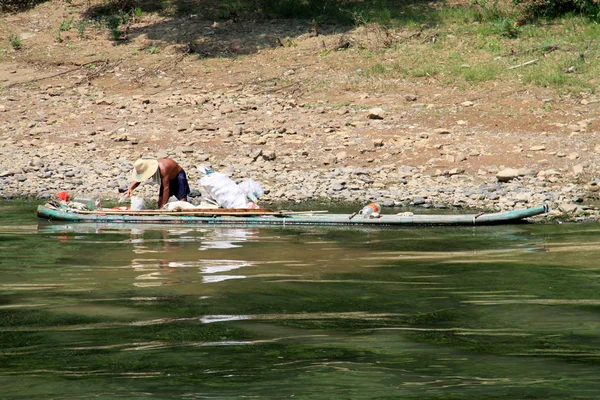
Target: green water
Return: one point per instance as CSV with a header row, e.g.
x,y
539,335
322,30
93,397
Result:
x,y
150,312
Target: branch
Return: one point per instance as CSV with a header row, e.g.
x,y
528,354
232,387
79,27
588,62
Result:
x,y
524,64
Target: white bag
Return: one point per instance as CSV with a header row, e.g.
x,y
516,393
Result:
x,y
252,189
137,203
179,206
223,190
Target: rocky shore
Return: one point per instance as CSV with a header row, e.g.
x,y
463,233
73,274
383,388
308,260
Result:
x,y
290,108
84,141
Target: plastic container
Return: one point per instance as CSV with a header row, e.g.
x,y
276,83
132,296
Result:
x,y
370,209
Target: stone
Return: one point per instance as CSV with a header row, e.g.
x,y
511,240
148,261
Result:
x,y
378,143
417,201
342,155
527,172
269,155
460,157
537,148
578,169
376,113
507,175
568,208
456,171
104,102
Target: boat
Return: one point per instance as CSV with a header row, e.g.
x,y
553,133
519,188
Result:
x,y
265,217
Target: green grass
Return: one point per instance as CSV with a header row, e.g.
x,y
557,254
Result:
x,y
66,24
81,27
15,41
152,50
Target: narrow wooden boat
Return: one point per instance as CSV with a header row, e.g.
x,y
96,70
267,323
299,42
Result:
x,y
282,218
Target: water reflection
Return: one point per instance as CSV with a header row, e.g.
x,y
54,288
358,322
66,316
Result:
x,y
155,272
164,256
197,312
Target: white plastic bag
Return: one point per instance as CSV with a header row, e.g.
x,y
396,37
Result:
x,y
223,190
179,206
252,189
137,203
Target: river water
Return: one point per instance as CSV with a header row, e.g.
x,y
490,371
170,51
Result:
x,y
155,312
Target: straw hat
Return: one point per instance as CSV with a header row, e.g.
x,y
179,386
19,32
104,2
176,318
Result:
x,y
143,169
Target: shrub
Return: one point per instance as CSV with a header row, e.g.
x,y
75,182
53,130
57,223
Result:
x,y
555,8
15,41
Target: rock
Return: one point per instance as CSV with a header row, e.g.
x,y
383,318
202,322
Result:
x,y
467,104
184,126
568,208
104,102
376,113
378,143
442,131
460,157
186,149
417,201
507,175
269,155
120,138
578,169
455,171
526,172
537,148
341,156
410,97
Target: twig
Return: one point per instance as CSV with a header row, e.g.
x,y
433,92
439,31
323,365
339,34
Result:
x,y
164,66
271,90
55,75
524,64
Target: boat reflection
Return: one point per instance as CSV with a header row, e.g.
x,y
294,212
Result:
x,y
167,256
166,271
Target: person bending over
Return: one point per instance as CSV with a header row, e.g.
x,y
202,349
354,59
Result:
x,y
165,172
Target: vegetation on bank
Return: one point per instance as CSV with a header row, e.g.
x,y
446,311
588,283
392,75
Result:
x,y
548,43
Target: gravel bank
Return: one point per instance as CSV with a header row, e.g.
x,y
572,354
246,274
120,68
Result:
x,y
85,142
